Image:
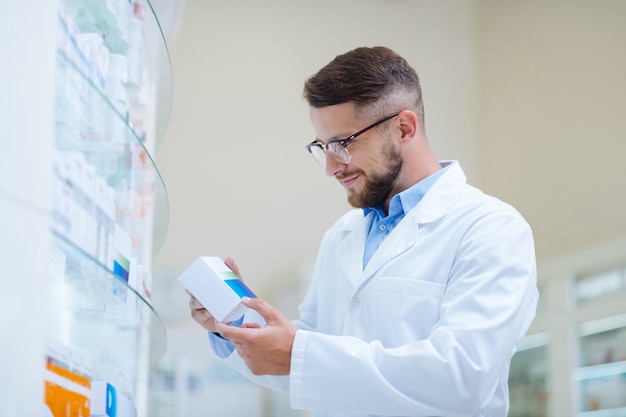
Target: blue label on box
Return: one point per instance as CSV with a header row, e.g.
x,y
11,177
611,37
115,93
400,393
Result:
x,y
240,288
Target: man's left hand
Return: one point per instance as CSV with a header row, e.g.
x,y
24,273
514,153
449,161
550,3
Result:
x,y
266,350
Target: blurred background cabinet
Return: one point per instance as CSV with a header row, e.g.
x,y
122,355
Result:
x,y
573,360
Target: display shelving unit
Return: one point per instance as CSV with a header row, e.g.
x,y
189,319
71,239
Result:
x,y
573,361
528,379
601,372
79,215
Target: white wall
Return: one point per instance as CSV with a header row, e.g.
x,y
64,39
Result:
x,y
26,139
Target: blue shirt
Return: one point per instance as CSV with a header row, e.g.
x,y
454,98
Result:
x,y
223,347
399,205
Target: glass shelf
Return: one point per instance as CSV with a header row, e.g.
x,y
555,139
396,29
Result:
x,y
96,17
600,371
616,412
102,317
160,67
112,150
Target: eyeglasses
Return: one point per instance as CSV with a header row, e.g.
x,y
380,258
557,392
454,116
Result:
x,y
338,147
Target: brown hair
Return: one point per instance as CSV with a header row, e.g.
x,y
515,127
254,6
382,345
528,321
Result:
x,y
373,78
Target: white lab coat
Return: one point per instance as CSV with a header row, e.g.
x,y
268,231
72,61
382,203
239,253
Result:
x,y
430,326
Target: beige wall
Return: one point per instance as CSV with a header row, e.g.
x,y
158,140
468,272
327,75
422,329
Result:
x,y
239,179
528,95
552,100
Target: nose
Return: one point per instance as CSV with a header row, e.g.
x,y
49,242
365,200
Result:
x,y
333,166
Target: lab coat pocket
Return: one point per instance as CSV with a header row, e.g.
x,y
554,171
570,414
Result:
x,y
399,310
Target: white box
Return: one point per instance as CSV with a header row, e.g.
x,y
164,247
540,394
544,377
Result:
x,y
217,287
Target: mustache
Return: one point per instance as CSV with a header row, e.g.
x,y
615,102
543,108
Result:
x,y
350,174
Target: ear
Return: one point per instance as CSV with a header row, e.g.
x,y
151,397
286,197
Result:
x,y
408,125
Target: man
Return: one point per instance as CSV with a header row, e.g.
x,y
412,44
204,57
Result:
x,y
420,295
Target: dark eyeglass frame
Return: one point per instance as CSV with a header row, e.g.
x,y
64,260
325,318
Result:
x,y
344,142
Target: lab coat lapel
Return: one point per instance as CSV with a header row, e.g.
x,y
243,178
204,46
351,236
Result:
x,y
352,246
438,201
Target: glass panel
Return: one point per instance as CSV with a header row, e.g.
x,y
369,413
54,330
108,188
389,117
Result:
x,y
159,65
604,347
103,318
604,393
602,372
105,188
598,285
111,57
602,341
528,381
103,173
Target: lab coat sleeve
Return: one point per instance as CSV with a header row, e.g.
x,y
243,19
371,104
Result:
x,y
488,305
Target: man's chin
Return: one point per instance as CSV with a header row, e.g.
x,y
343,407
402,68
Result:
x,y
355,201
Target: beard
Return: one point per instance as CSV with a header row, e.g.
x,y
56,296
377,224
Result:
x,y
378,185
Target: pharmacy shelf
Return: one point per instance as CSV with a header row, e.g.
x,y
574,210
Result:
x,y
156,53
601,376
116,152
87,108
615,412
600,371
103,318
602,388
95,16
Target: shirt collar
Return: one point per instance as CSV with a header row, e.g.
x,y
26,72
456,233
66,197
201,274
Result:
x,y
406,200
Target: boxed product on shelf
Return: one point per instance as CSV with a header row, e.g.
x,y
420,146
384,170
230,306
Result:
x,y
67,384
120,261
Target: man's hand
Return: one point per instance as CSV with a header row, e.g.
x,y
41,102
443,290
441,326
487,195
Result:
x,y
266,350
201,315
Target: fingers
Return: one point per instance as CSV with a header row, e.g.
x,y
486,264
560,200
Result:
x,y
204,319
265,309
227,331
250,325
266,350
194,304
236,334
232,265
201,315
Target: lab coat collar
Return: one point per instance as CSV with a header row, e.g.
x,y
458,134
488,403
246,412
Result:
x,y
436,203
442,196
